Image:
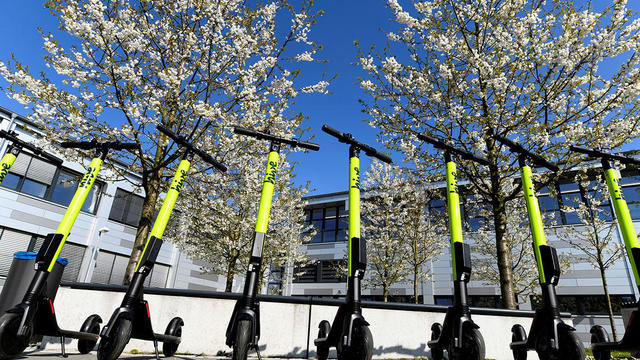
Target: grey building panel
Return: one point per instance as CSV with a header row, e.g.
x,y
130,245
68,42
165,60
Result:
x,y
33,219
204,275
40,204
581,274
192,286
312,247
130,230
483,290
318,291
126,243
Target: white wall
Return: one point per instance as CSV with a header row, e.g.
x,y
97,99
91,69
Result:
x,y
285,327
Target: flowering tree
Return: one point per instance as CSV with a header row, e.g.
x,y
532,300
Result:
x,y
223,212
195,67
464,71
382,209
594,236
423,234
518,238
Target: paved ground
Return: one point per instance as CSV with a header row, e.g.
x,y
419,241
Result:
x,y
48,355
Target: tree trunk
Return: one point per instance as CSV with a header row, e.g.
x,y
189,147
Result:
x,y
609,307
385,293
415,284
230,274
144,226
502,247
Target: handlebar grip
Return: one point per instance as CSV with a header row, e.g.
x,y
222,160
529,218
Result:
x,y
331,131
308,145
165,130
601,154
243,131
85,145
209,159
383,157
514,146
462,153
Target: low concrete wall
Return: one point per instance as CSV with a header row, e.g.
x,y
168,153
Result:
x,y
288,328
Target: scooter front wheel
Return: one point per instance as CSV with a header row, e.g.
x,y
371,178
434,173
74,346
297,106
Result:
x,y
242,340
90,325
110,348
472,345
361,345
518,334
571,347
323,331
437,353
10,343
599,335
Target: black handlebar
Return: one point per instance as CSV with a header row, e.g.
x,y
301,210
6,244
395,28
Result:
x,y
181,140
12,136
438,144
348,139
264,136
515,147
94,144
601,154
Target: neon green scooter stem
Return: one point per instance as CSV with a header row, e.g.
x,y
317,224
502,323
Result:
x,y
167,205
75,206
354,203
266,195
624,218
453,206
535,219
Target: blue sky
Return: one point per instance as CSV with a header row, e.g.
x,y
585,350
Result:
x,y
343,22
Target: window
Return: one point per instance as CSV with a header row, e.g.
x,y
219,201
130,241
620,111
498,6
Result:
x,y
586,304
445,300
12,241
36,177
331,223
126,208
485,301
110,269
325,271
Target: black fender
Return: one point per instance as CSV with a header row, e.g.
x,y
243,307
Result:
x,y
238,315
27,313
348,324
174,325
121,312
89,322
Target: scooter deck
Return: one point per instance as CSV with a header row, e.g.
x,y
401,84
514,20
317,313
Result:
x,y
167,338
79,335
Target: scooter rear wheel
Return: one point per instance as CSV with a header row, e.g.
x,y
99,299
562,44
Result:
x,y
242,340
10,343
323,331
110,348
437,353
361,345
174,329
90,325
599,335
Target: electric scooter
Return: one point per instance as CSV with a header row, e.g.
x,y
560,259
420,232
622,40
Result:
x,y
133,319
549,336
459,335
243,331
350,333
35,315
14,149
600,343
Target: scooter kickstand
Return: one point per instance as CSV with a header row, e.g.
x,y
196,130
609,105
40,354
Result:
x,y
64,353
258,352
155,345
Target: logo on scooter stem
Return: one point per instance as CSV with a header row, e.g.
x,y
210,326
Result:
x,y
270,177
88,177
356,179
178,183
4,171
